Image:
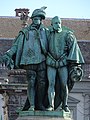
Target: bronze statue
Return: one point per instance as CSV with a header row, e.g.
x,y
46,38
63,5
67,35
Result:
x,y
28,51
63,61
39,50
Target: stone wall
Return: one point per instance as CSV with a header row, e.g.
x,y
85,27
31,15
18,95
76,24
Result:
x,y
16,88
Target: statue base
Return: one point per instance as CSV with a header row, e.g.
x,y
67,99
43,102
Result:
x,y
44,115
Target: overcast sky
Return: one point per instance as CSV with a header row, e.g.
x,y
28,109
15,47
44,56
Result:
x,y
62,8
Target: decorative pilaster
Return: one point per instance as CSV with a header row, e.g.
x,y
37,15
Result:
x,y
5,107
86,106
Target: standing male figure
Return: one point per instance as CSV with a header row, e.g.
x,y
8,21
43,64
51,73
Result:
x,y
63,54
28,49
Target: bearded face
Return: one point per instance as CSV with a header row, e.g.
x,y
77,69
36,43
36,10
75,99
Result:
x,y
56,23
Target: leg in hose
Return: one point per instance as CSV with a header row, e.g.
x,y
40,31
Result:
x,y
65,98
41,80
31,76
63,76
51,74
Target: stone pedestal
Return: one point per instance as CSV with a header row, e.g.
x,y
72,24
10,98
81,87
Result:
x,y
44,115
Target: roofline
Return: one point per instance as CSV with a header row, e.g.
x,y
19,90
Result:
x,y
7,38
10,17
83,40
49,18
75,19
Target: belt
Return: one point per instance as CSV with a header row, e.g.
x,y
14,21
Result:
x,y
56,63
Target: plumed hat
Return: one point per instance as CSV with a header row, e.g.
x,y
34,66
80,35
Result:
x,y
39,13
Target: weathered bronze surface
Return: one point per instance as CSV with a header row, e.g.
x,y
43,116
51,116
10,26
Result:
x,y
52,60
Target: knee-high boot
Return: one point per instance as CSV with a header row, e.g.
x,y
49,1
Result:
x,y
41,95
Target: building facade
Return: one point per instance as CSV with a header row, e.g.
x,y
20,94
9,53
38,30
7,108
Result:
x,y
13,84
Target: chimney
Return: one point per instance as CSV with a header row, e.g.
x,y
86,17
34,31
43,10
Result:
x,y
23,14
20,10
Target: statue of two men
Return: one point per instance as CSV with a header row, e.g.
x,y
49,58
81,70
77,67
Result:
x,y
46,54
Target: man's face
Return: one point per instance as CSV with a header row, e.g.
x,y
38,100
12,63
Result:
x,y
56,23
36,20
